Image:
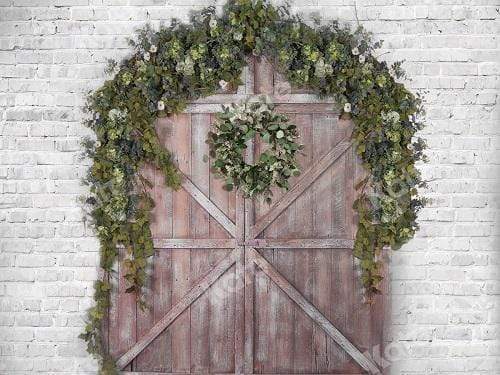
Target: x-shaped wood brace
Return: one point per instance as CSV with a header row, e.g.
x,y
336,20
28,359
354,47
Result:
x,y
254,256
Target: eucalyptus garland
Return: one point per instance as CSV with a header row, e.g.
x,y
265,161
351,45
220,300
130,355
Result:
x,y
183,62
234,128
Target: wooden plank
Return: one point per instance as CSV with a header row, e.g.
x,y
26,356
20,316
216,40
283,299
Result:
x,y
249,279
323,137
209,206
163,272
284,339
239,312
249,314
239,300
221,322
181,258
200,231
307,179
264,76
126,309
193,243
301,243
180,306
303,223
313,312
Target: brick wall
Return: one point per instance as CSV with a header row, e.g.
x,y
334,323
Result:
x,y
445,283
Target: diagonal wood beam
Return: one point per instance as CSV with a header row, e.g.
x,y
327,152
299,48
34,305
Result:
x,y
307,179
364,361
177,309
208,205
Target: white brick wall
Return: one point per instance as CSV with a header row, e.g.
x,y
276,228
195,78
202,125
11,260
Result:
x,y
445,283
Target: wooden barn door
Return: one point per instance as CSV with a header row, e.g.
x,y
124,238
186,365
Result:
x,y
242,287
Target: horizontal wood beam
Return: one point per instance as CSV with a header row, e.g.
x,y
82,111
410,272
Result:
x,y
208,205
364,361
282,98
177,309
301,243
197,243
302,184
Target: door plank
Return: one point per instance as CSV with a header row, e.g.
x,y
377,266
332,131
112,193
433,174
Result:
x,y
303,213
307,179
324,135
180,306
181,262
313,312
200,309
221,295
239,299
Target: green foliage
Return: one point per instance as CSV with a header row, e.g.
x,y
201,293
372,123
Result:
x,y
234,128
183,62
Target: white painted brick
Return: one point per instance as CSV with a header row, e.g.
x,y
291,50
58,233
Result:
x,y
445,283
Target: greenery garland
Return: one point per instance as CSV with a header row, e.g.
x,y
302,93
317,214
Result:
x,y
238,124
183,62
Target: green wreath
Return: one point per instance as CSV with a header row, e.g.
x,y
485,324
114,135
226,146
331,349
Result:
x,y
240,123
180,63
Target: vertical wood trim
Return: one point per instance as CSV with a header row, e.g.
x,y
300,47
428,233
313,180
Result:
x,y
313,312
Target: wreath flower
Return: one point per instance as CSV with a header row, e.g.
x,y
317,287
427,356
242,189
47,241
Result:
x,y
234,128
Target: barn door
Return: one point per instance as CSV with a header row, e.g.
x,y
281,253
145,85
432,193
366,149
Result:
x,y
240,286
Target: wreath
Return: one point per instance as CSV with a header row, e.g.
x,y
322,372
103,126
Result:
x,y
234,128
185,61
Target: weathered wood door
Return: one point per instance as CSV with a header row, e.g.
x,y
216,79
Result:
x,y
240,286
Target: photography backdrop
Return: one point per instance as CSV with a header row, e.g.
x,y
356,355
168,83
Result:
x,y
444,283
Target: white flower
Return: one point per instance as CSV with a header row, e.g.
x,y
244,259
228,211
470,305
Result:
x,y
153,48
223,84
116,115
280,134
347,107
98,144
97,115
147,56
395,116
160,105
212,23
362,59
355,51
238,36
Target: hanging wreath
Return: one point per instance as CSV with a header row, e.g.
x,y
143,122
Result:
x,y
183,62
240,123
